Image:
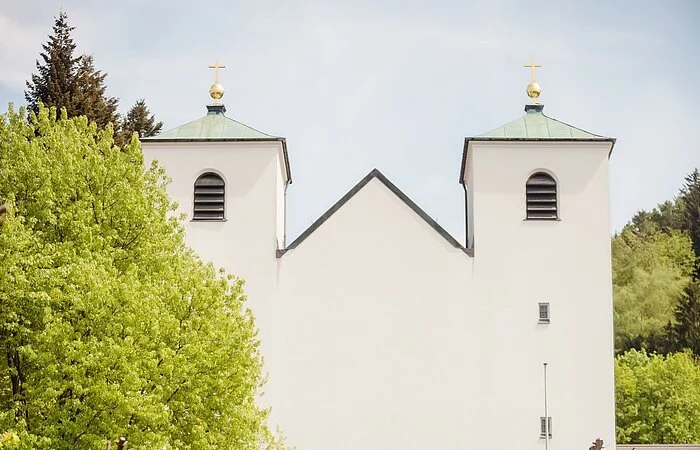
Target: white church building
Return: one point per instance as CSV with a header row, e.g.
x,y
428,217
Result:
x,y
379,329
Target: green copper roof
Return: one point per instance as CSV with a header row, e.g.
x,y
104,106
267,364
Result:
x,y
535,125
215,125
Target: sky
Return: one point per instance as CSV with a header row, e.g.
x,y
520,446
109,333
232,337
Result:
x,y
397,85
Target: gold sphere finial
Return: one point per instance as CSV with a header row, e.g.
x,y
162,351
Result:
x,y
216,91
534,90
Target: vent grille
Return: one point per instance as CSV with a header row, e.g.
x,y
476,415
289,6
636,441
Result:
x,y
541,193
546,427
209,195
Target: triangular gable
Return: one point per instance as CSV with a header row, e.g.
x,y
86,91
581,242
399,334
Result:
x,y
375,173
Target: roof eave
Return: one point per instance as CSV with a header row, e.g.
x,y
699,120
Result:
x,y
210,139
282,140
467,140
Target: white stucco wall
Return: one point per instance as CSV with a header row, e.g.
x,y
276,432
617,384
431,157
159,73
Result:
x,y
469,182
245,243
378,333
518,263
281,202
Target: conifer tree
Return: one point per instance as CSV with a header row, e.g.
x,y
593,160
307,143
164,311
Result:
x,y
686,330
55,82
690,195
66,81
90,99
138,120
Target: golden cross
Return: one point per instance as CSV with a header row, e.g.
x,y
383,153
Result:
x,y
216,66
532,66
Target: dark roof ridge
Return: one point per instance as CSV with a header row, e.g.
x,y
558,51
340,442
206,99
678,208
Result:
x,y
375,173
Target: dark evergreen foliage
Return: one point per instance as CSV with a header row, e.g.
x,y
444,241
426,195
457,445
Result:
x,y
54,85
690,194
685,333
66,81
90,99
139,120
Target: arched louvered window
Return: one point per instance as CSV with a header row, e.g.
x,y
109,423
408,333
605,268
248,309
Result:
x,y
541,193
209,195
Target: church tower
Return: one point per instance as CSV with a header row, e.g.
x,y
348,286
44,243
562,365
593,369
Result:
x,y
539,226
379,329
229,181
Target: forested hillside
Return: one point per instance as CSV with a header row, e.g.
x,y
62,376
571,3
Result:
x,y
656,282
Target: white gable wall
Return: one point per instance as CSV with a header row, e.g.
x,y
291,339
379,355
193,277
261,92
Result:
x,y
377,335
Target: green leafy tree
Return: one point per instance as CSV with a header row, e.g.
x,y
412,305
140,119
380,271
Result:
x,y
651,269
139,121
109,325
9,440
66,81
667,216
643,296
658,398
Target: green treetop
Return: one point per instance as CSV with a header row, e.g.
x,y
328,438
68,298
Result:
x,y
109,325
658,398
651,269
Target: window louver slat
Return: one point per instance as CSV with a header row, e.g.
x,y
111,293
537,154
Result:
x,y
210,191
541,197
208,180
209,197
541,190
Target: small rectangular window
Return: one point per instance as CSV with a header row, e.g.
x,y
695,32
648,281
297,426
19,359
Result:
x,y
545,426
544,312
